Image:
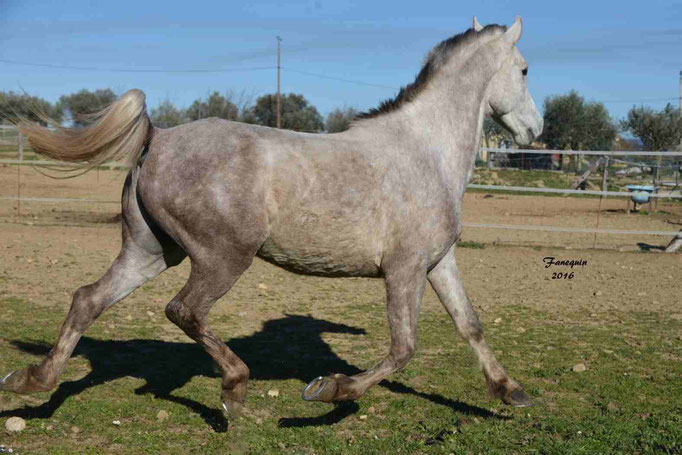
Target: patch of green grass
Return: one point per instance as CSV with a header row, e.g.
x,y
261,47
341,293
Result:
x,y
470,244
628,400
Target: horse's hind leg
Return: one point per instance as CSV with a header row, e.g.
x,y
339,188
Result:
x,y
446,282
132,268
209,280
143,256
675,244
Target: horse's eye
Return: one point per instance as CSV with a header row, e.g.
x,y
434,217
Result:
x,y
525,71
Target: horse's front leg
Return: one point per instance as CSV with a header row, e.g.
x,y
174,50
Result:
x,y
447,283
404,290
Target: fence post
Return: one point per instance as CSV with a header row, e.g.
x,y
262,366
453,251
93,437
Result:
x,y
20,152
657,178
604,187
20,155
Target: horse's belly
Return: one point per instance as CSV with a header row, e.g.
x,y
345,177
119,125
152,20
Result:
x,y
311,253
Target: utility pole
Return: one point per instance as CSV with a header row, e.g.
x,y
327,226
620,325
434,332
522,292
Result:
x,y
680,91
279,103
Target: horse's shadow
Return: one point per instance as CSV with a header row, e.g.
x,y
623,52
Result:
x,y
647,247
286,348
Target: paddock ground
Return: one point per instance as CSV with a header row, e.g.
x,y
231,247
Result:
x,y
620,316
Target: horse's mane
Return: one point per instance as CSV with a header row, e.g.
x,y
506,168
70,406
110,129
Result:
x,y
433,62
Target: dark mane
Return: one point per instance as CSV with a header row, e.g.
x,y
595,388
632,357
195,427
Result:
x,y
433,62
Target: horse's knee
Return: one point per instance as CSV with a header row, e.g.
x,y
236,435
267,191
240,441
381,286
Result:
x,y
403,354
85,307
179,314
470,329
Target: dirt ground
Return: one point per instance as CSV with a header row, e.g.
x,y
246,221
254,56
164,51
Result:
x,y
619,315
72,244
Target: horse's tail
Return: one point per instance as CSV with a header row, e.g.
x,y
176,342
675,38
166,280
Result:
x,y
118,132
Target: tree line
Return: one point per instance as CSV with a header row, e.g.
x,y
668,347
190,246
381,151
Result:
x,y
571,122
296,112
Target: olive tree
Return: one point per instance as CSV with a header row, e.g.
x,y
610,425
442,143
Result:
x,y
14,106
658,130
84,102
571,123
340,119
297,113
166,115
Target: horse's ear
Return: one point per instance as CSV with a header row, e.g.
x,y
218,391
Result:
x,y
513,35
477,27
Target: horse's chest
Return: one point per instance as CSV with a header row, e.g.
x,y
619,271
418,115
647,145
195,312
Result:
x,y
428,228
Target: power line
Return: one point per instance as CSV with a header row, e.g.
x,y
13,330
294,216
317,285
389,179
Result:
x,y
129,70
324,76
224,70
256,68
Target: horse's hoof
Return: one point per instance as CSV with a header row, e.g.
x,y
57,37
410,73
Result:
x,y
233,409
24,381
321,389
14,382
3,382
517,398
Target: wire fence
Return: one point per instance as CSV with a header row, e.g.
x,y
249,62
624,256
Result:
x,y
12,143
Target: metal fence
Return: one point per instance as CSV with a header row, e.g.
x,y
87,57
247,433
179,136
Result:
x,y
12,143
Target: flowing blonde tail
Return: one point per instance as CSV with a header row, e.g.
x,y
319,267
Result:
x,y
118,132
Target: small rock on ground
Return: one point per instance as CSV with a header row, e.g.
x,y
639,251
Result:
x,y
15,424
579,368
162,415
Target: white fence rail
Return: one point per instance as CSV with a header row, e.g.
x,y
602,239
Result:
x,y
582,152
523,227
45,163
609,153
569,191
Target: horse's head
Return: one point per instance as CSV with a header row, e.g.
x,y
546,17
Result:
x,y
508,100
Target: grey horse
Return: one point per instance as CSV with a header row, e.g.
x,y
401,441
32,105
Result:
x,y
383,199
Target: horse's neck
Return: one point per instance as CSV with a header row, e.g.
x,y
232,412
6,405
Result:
x,y
447,119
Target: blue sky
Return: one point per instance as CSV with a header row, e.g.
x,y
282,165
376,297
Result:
x,y
621,53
